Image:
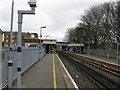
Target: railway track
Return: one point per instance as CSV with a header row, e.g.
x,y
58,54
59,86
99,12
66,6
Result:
x,y
103,77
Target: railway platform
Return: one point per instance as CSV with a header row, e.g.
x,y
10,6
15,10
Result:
x,y
110,63
103,59
48,72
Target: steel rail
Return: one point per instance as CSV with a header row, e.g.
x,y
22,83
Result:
x,y
101,80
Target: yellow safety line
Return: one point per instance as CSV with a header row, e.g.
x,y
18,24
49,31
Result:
x,y
54,74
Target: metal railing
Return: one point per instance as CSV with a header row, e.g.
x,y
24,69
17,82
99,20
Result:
x,y
102,52
29,56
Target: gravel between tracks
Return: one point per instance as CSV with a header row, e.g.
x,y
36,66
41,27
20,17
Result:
x,y
81,79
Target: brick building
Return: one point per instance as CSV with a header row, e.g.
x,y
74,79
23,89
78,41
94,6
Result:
x,y
1,44
26,42
1,32
25,38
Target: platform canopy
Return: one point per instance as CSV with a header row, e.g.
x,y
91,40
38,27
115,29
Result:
x,y
1,31
50,41
75,44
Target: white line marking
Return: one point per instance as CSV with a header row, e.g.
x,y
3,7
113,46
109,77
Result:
x,y
75,85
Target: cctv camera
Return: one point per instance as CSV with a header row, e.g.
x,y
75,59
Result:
x,y
32,3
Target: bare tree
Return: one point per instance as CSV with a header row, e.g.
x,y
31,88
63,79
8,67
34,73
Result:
x,y
98,27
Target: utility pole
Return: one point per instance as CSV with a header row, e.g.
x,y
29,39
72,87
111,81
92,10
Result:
x,y
118,32
108,34
89,42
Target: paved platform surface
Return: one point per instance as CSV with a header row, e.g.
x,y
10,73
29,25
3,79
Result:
x,y
104,59
46,73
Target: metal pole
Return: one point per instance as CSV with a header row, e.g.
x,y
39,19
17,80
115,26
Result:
x,y
32,4
20,16
89,41
108,36
11,26
118,32
89,47
117,51
10,60
10,65
40,34
108,52
49,49
40,43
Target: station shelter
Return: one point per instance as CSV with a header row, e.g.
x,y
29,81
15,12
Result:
x,y
62,45
49,44
76,47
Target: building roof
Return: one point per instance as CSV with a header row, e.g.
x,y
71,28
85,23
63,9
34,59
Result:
x,y
48,39
1,31
36,35
30,39
62,43
75,44
33,45
6,32
24,34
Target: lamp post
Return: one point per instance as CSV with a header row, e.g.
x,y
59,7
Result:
x,y
32,4
41,32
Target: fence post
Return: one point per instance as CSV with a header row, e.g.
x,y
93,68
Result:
x,y
10,65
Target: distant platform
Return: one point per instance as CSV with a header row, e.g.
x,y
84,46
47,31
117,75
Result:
x,y
103,59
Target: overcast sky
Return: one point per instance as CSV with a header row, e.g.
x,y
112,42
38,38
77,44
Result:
x,y
56,15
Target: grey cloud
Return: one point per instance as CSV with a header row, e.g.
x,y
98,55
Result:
x,y
57,16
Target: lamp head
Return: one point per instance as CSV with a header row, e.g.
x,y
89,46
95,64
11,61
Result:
x,y
43,27
32,3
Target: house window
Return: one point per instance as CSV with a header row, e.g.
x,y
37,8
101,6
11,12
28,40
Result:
x,y
6,36
32,36
6,40
15,38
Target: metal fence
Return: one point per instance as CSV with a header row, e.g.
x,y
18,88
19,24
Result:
x,y
102,52
29,57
